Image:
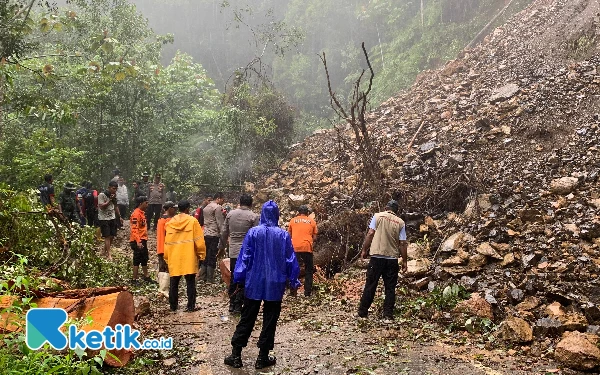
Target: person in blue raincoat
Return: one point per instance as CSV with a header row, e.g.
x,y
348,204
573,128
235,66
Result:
x,y
266,265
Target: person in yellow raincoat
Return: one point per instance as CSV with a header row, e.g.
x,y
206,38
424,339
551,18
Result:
x,y
184,247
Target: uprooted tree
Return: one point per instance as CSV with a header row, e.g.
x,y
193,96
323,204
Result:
x,y
367,149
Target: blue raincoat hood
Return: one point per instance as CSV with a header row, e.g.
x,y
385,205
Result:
x,y
267,261
269,215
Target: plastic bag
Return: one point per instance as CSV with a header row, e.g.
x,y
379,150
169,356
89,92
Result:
x,y
163,283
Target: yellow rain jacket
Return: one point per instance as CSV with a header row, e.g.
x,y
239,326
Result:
x,y
184,245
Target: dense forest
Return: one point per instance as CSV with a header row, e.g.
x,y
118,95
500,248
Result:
x,y
202,91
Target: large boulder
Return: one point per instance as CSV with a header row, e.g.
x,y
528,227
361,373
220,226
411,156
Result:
x,y
456,241
516,330
563,185
475,306
578,351
417,267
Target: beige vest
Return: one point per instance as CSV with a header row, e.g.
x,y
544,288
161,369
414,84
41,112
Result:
x,y
387,233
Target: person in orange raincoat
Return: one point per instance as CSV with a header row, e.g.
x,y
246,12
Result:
x,y
184,248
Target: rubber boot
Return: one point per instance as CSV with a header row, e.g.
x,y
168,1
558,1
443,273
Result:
x,y
210,275
235,359
202,273
264,359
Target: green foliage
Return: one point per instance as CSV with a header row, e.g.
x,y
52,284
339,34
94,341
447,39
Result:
x,y
437,300
28,233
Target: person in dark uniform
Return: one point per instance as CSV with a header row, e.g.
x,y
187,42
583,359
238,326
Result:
x,y
67,202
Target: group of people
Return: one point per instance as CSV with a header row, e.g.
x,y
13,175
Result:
x,y
264,259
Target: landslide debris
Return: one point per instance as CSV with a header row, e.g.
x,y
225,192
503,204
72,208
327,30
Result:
x,y
500,189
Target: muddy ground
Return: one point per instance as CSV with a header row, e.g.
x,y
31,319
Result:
x,y
318,335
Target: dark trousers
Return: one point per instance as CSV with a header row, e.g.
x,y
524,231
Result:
x,y
123,210
190,281
306,258
235,291
153,214
212,248
388,269
271,311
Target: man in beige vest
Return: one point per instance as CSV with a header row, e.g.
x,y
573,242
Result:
x,y
386,240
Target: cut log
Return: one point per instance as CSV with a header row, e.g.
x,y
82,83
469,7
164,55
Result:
x,y
105,310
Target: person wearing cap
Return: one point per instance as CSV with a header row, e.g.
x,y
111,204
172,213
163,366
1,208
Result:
x,y
170,209
156,198
266,264
385,241
144,185
184,248
67,202
213,224
303,230
237,223
138,239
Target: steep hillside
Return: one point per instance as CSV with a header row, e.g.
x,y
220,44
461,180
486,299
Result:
x,y
507,156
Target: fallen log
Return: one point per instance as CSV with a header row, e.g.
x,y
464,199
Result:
x,y
106,307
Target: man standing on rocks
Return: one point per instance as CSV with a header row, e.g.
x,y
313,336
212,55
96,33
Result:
x,y
107,214
303,230
237,223
156,198
266,265
213,224
386,240
184,248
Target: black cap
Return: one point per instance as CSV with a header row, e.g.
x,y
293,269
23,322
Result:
x,y
183,205
303,209
141,199
393,205
169,204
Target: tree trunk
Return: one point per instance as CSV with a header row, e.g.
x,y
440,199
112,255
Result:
x,y
486,28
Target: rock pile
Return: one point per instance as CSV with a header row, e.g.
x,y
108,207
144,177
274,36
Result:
x,y
503,176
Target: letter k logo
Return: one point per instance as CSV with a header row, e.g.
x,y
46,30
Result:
x,y
43,325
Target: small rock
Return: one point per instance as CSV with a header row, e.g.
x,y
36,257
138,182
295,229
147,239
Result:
x,y
548,327
487,250
504,93
528,304
141,305
169,362
508,260
516,295
421,283
516,330
574,322
555,310
578,351
475,306
564,185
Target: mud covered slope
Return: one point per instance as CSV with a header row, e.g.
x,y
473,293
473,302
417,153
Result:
x,y
508,155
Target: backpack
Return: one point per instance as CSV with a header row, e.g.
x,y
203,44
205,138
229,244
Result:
x,y
89,201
